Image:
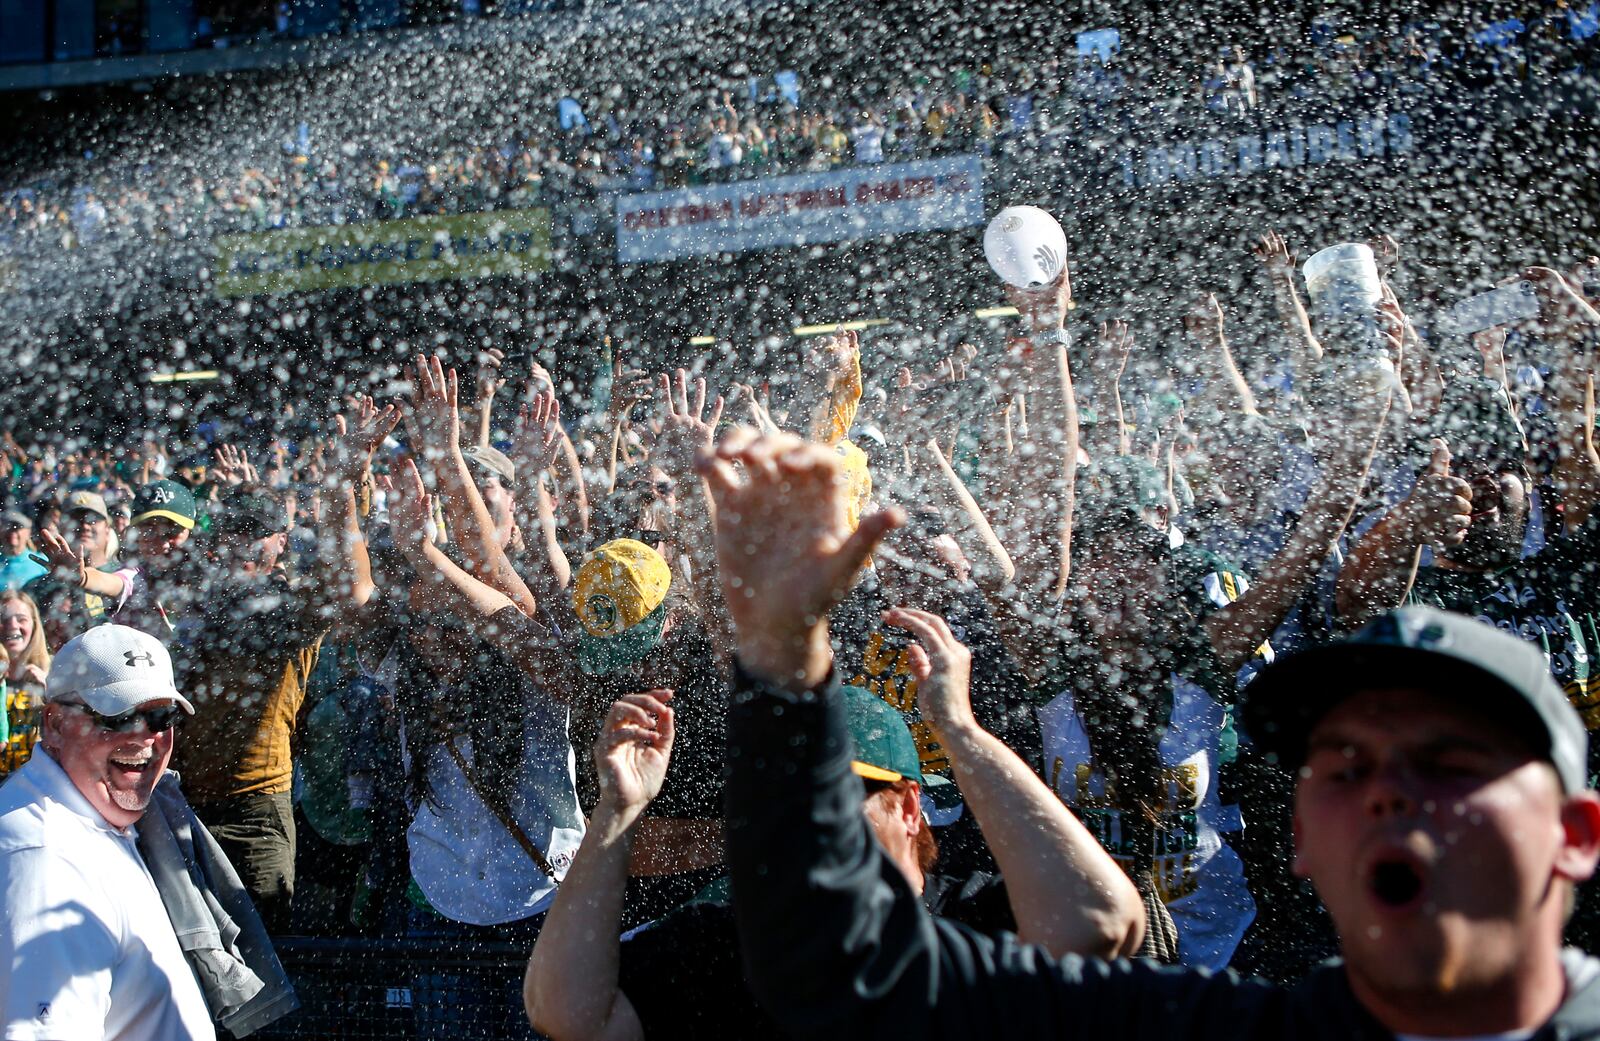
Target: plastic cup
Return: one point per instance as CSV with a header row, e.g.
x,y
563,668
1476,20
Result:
x,y
1343,279
1345,290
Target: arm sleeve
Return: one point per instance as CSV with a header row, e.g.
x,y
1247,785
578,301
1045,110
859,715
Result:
x,y
56,952
835,943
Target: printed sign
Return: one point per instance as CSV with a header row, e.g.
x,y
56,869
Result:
x,y
1289,147
861,202
417,249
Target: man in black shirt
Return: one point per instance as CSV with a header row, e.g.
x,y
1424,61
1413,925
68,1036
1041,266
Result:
x,y
681,976
1441,812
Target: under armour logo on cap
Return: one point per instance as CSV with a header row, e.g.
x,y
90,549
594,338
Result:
x,y
134,659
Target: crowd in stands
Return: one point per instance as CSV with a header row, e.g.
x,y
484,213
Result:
x,y
461,661
635,139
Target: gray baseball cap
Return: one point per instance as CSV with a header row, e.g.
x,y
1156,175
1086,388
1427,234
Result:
x,y
1473,662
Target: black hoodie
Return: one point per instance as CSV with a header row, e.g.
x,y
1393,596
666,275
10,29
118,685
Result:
x,y
837,945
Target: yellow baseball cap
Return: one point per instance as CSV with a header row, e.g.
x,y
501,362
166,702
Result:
x,y
619,597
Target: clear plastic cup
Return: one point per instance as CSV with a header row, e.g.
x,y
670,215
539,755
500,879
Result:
x,y
1343,279
1345,291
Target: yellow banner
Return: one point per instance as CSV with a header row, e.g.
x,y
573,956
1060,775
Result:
x,y
418,249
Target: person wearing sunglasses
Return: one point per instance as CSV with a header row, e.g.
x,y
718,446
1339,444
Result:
x,y
83,927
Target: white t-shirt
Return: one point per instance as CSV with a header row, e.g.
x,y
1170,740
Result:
x,y
1198,876
91,950
463,858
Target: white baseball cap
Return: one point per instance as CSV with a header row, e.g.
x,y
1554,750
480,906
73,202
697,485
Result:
x,y
113,669
1025,246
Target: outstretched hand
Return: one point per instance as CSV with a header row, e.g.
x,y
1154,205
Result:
x,y
356,438
942,667
633,750
59,554
410,505
434,418
686,431
537,440
785,550
1276,257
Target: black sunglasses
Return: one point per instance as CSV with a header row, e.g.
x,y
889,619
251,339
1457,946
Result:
x,y
156,720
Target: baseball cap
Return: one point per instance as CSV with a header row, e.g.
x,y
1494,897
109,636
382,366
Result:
x,y
884,749
167,499
1119,489
15,519
619,595
86,502
1477,664
250,516
113,669
492,460
1025,246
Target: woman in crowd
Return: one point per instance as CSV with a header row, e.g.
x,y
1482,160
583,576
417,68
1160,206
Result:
x,y
27,668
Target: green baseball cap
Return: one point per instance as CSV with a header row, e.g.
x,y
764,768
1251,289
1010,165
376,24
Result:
x,y
884,749
166,499
1476,664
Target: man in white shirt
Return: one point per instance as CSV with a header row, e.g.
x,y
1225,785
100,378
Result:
x,y
84,934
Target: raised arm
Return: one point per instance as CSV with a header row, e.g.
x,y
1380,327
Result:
x,y
349,581
1382,564
1353,429
686,432
1046,459
1567,320
436,426
570,988
1066,892
1280,265
534,448
1226,389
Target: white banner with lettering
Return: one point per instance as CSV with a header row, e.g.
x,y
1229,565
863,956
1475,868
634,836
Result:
x,y
859,202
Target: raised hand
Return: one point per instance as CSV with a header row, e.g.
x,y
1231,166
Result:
x,y
628,388
355,438
1440,506
942,667
1563,312
59,554
1044,308
434,418
537,440
410,505
1276,257
686,431
489,381
1116,343
785,551
232,467
633,750
1204,320
1386,251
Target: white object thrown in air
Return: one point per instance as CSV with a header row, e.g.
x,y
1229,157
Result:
x,y
1025,246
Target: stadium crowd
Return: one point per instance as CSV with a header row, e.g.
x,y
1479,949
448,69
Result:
x,y
461,663
642,138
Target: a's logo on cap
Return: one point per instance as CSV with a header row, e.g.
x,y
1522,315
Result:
x,y
603,613
1047,259
133,658
1011,224
161,495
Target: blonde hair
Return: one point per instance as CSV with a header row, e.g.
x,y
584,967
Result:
x,y
36,653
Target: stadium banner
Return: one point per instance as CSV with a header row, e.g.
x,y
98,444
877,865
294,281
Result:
x,y
836,206
392,252
1360,139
